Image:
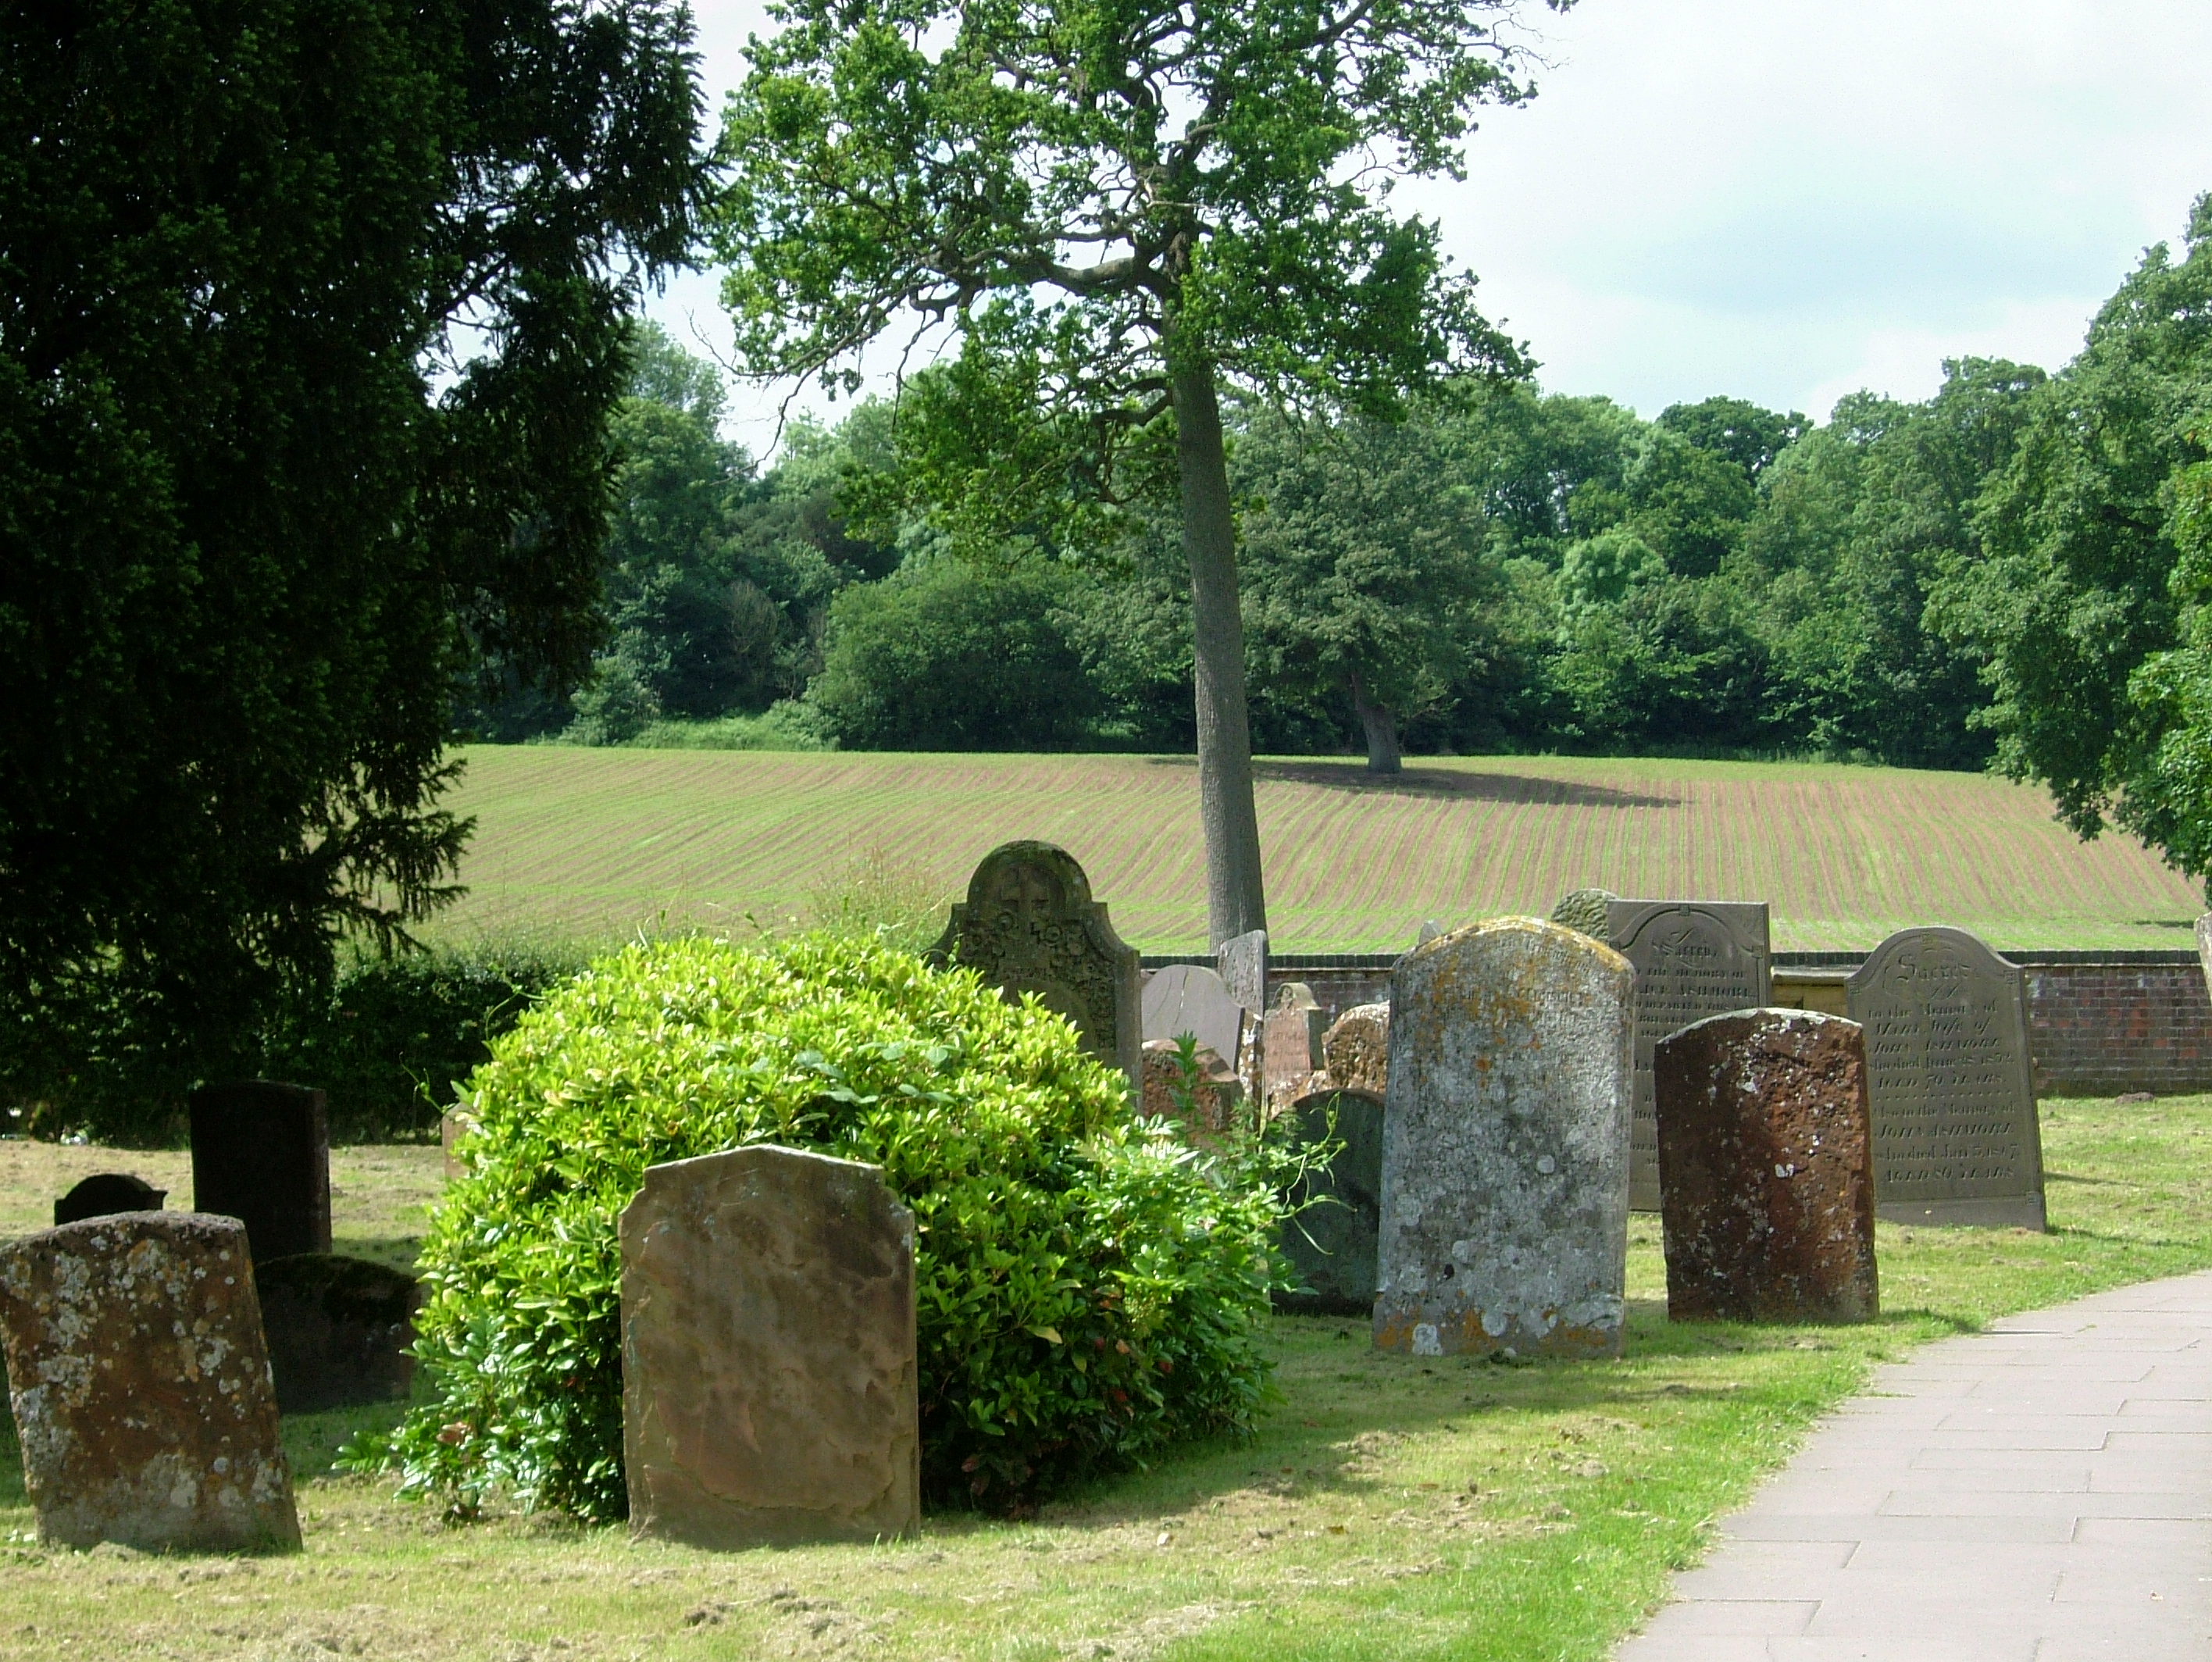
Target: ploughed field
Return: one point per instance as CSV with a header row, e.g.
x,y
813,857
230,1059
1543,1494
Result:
x,y
602,843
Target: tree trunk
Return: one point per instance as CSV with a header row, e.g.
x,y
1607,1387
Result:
x,y
1380,727
1236,899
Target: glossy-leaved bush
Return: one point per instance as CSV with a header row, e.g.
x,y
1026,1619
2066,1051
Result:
x,y
1088,1289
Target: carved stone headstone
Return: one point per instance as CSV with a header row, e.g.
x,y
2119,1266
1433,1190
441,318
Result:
x,y
141,1388
1505,1213
1767,1166
1028,924
338,1329
1290,1041
261,1154
1330,1239
107,1193
1585,909
2204,948
1214,1094
1694,959
453,1128
1191,998
770,1389
1241,962
1950,1083
1356,1049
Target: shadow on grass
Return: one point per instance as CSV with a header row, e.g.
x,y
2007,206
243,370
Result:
x,y
1443,783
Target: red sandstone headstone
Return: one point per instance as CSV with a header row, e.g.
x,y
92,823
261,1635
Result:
x,y
1766,1169
1214,1094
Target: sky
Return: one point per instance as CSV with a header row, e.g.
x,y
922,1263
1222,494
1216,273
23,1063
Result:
x,y
1782,200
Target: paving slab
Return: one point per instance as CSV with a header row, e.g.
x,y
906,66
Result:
x,y
2038,1492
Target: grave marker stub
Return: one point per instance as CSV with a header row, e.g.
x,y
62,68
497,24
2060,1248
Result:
x,y
1331,1242
104,1194
1694,959
1191,998
1028,924
1956,1139
769,1377
1504,1203
261,1154
338,1330
141,1388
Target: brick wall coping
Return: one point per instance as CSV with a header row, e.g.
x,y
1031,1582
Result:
x,y
1289,966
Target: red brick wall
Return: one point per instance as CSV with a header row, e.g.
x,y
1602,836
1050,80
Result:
x,y
2096,1029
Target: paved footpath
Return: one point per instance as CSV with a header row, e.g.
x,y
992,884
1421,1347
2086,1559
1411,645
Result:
x,y
2039,1492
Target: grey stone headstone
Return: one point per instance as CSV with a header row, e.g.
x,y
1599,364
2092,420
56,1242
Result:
x,y
1191,998
1242,965
1950,1083
1429,928
2204,949
1694,959
106,1193
338,1330
140,1387
1330,1239
770,1373
1585,909
1030,925
261,1154
1505,1222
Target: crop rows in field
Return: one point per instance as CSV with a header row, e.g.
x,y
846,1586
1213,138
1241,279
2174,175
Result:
x,y
602,843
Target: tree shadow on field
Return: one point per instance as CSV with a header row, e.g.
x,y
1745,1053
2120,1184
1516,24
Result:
x,y
1443,783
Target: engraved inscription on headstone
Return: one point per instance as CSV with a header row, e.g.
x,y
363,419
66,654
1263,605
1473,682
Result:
x,y
1028,924
1950,1082
1330,1238
1289,1043
1694,959
261,1154
1191,998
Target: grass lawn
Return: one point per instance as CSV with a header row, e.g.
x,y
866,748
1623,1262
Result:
x,y
1391,1507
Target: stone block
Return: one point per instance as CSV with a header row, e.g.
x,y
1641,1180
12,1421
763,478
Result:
x,y
261,1154
1766,1169
1356,1049
141,1387
338,1330
106,1193
1330,1239
1504,1203
769,1388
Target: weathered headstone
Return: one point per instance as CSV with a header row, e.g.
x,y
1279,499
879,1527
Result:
x,y
106,1193
2204,949
1214,1094
1694,959
1429,928
140,1387
1949,1082
769,1388
1241,963
1356,1049
1030,925
1290,1042
1330,1239
1505,1213
1585,909
453,1128
338,1329
1191,998
1766,1166
261,1154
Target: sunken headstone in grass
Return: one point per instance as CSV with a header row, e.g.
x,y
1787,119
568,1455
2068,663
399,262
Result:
x,y
769,1362
1767,1169
1504,1206
1585,909
1028,924
1949,1082
106,1193
1204,1104
140,1387
261,1154
338,1330
1241,963
1190,999
1330,1238
1290,1042
1694,959
1356,1049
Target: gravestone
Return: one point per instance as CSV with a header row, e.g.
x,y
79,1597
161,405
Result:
x,y
1429,928
1356,1049
2204,949
1504,1205
1290,1042
338,1330
107,1193
140,1387
1214,1094
1949,1082
1767,1166
1584,909
1330,1239
453,1128
1241,963
1191,998
768,1365
1028,924
1694,959
261,1154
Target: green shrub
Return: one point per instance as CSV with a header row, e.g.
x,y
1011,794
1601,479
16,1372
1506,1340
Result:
x,y
1088,1289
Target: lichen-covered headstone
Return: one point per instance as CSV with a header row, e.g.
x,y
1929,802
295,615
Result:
x,y
1767,1169
1949,1082
1030,925
1505,1222
1693,959
1330,1237
1190,999
1241,963
1214,1093
261,1154
338,1330
1585,909
1356,1049
104,1194
769,1383
140,1387
1289,1043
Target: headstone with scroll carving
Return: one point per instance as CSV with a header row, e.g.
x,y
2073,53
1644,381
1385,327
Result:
x,y
1694,959
1028,924
1950,1083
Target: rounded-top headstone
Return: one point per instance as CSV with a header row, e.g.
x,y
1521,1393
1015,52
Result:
x,y
1584,909
1330,1238
1190,999
106,1193
1356,1049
